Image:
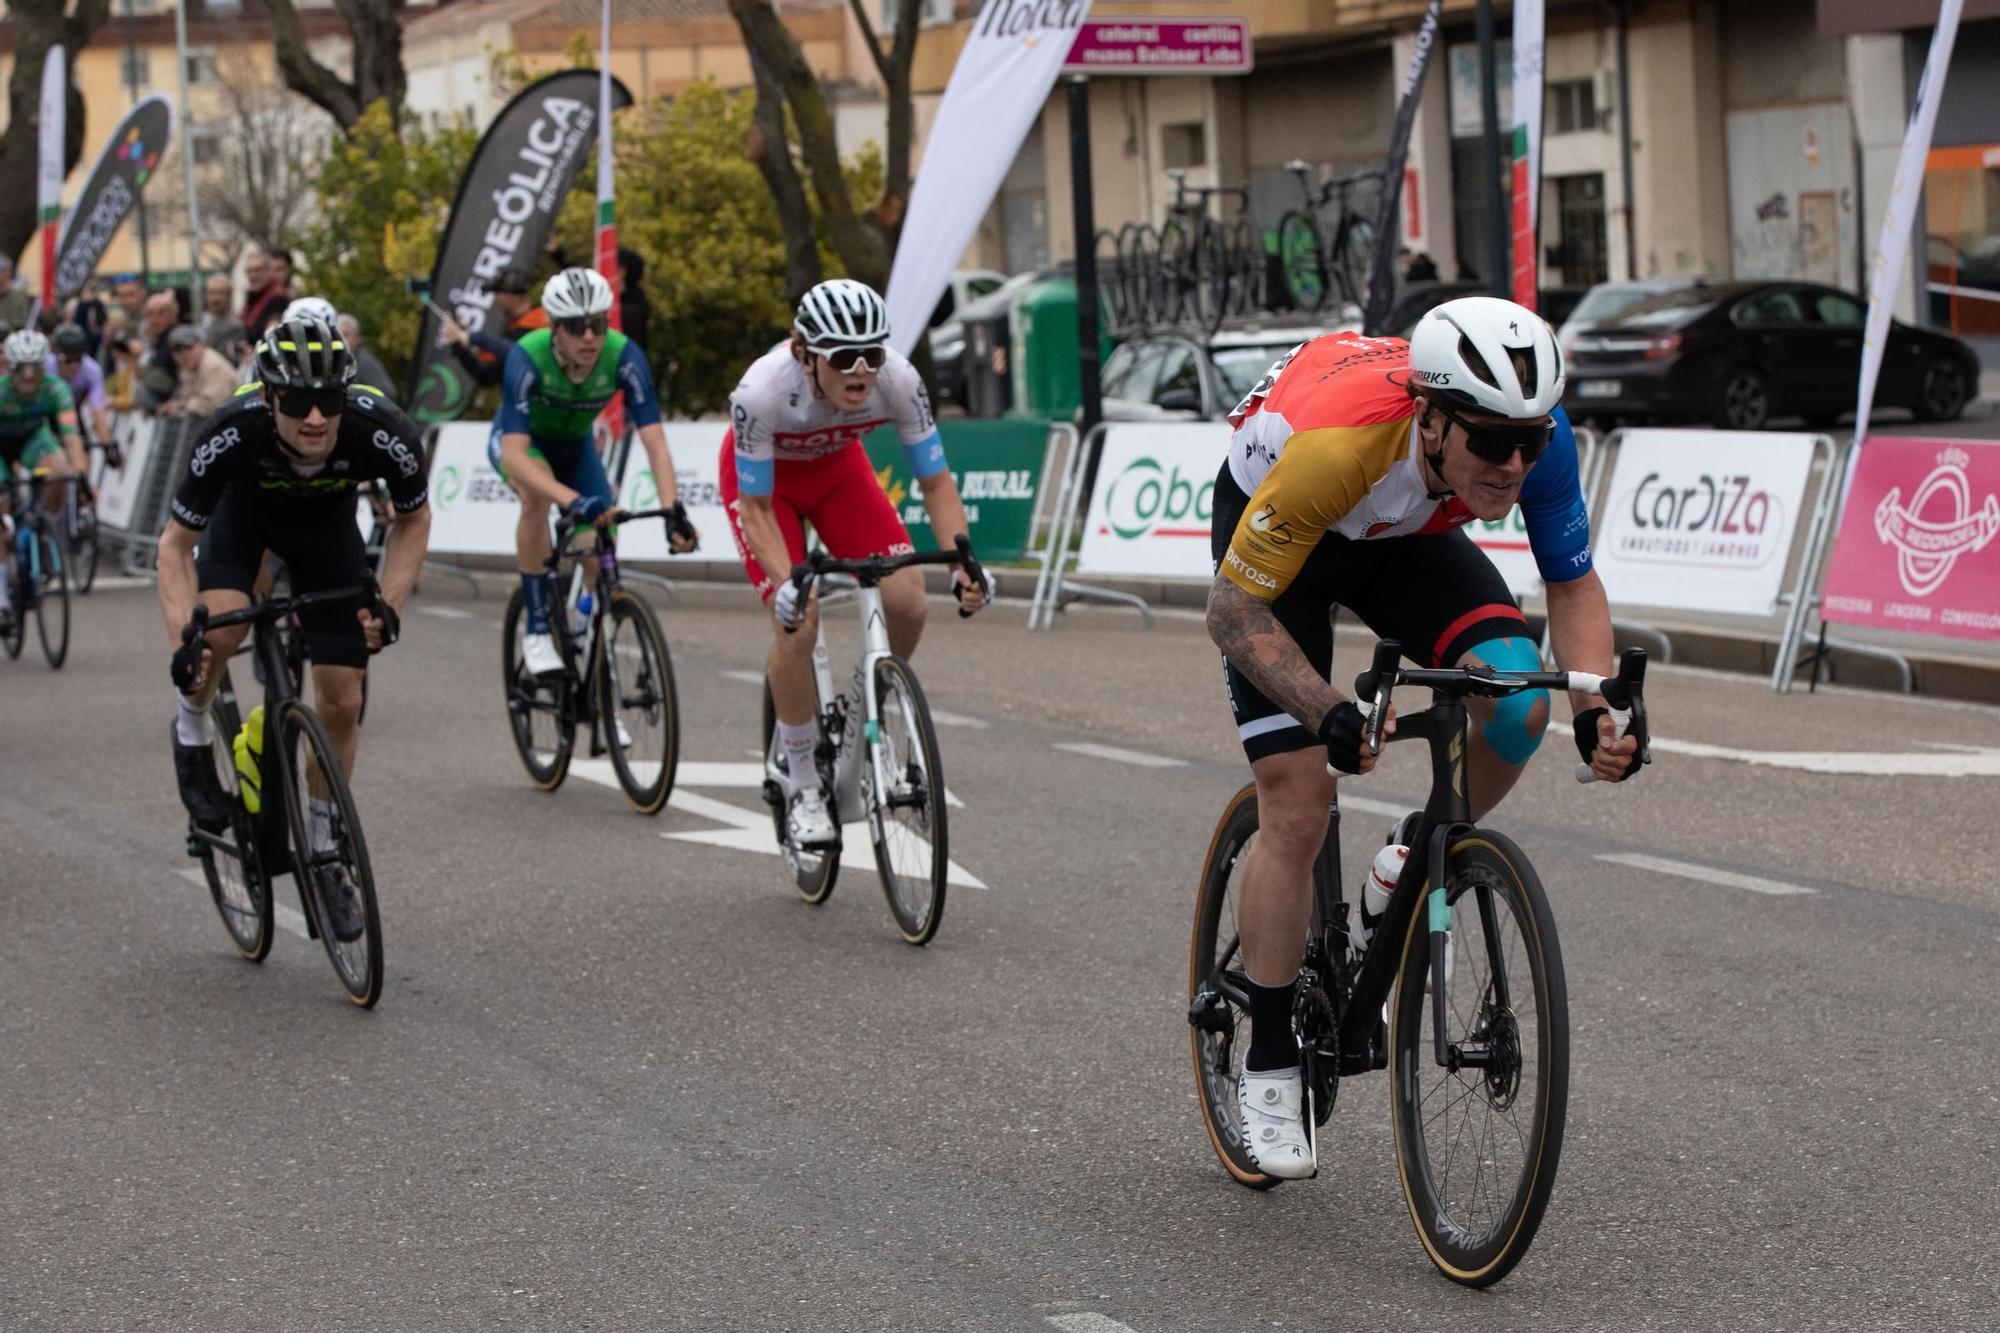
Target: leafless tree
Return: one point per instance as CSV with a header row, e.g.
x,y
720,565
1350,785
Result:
x,y
36,26
260,190
376,29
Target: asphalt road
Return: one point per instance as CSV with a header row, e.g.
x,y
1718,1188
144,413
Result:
x,y
624,1080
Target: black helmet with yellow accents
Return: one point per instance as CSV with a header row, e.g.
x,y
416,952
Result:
x,y
304,353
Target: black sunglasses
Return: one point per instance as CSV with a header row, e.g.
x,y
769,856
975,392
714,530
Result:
x,y
578,325
847,360
1496,444
301,402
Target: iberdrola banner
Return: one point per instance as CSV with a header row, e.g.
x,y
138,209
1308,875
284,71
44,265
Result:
x,y
1527,169
49,180
507,202
997,89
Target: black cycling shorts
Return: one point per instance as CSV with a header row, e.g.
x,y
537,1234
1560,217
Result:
x,y
321,546
1436,594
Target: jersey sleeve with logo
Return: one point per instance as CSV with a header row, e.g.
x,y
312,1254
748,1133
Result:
x,y
517,391
1552,506
390,450
642,405
226,451
909,405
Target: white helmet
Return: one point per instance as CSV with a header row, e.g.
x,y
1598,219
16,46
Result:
x,y
25,346
576,292
841,313
310,307
1459,354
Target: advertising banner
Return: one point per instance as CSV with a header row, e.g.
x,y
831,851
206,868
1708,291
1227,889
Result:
x,y
49,171
127,162
1381,273
1161,46
118,488
996,93
472,509
695,447
1149,514
519,176
1506,545
1527,139
998,468
1919,541
1701,520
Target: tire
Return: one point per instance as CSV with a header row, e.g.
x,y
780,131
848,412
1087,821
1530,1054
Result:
x,y
1498,909
541,716
17,576
238,883
52,600
813,873
1150,284
639,691
1246,268
1208,279
1944,391
1301,261
305,747
1218,1015
83,549
1110,281
1743,402
909,823
1354,253
1176,260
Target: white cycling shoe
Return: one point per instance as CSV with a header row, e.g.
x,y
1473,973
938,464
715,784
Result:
x,y
807,822
1271,1105
539,655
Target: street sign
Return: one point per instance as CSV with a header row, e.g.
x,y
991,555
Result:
x,y
1160,46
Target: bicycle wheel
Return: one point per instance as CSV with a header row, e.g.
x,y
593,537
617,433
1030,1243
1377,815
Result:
x,y
1477,1147
908,822
83,549
1110,280
1208,286
1172,296
1353,256
1246,267
813,872
1218,1004
52,598
235,874
635,689
341,867
540,715
1301,262
21,594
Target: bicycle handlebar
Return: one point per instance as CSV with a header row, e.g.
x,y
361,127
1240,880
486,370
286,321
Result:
x,y
271,608
566,528
874,568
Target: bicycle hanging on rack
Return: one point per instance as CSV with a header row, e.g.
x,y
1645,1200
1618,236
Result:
x,y
1313,266
1199,266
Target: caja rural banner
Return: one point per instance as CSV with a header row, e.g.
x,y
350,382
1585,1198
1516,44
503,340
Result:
x,y
127,162
998,466
1154,500
1701,520
996,93
507,202
1919,541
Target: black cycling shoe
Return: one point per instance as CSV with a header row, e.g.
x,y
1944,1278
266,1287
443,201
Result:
x,y
201,791
340,903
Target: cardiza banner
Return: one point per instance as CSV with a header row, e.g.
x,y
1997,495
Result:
x,y
507,202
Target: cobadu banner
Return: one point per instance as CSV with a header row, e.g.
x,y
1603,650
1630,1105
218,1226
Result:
x,y
1154,501
1919,542
996,93
1702,520
506,205
128,160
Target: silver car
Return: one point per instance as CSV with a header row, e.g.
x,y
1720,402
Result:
x,y
1174,377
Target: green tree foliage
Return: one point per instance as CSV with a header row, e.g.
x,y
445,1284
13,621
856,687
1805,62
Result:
x,y
383,201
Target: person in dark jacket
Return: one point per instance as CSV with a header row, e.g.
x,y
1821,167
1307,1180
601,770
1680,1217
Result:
x,y
484,354
635,312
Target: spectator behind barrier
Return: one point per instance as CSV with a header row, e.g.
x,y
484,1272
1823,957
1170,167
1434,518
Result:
x,y
484,354
159,373
270,275
368,367
16,306
207,380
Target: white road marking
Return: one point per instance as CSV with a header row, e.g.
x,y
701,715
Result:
x,y
701,773
118,582
1368,805
446,612
949,719
747,677
288,918
1139,758
1088,1321
1974,763
1727,878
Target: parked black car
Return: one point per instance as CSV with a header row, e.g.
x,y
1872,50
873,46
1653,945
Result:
x,y
1738,355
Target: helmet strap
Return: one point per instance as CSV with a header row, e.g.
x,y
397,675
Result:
x,y
1436,460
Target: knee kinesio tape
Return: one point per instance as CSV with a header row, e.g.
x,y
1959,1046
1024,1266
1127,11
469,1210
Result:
x,y
1510,733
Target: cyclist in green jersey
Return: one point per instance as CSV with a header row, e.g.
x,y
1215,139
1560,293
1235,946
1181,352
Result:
x,y
556,382
37,430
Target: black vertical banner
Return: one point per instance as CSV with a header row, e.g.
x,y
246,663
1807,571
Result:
x,y
127,162
1382,275
506,206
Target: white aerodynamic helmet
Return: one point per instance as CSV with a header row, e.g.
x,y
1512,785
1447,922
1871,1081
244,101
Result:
x,y
841,313
1460,355
25,347
576,292
310,307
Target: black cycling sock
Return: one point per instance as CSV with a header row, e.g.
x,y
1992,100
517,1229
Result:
x,y
1272,1045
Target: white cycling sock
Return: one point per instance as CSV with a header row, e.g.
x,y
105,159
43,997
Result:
x,y
319,815
190,722
798,742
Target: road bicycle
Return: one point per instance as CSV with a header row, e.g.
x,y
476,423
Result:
x,y
38,577
1315,266
877,752
1479,1094
78,521
267,833
617,676
1200,260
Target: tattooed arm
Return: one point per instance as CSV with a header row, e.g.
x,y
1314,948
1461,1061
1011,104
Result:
x,y
1250,636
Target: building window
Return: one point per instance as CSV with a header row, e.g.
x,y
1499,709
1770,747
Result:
x,y
1572,106
1183,146
136,67
1580,245
201,65
207,147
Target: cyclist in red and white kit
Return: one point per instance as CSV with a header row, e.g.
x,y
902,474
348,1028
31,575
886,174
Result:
x,y
792,456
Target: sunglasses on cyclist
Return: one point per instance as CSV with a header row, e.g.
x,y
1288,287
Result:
x,y
1496,444
848,360
578,325
301,402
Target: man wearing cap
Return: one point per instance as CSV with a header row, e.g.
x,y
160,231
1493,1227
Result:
x,y
207,380
483,354
16,306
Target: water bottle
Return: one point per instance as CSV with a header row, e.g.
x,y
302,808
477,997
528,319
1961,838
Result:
x,y
583,605
1375,894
